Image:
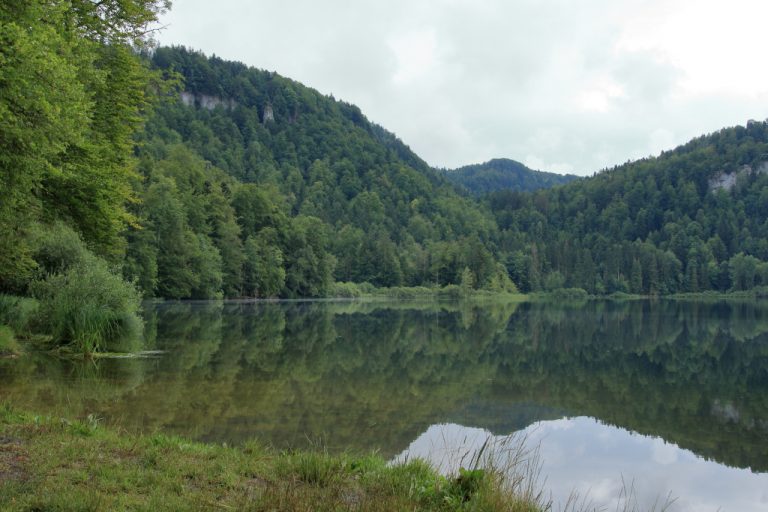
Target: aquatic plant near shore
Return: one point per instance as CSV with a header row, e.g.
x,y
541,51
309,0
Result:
x,y
89,307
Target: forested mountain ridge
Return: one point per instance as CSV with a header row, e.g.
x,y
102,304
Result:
x,y
270,177
504,174
693,219
263,106
244,183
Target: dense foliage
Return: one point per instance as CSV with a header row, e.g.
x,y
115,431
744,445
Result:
x,y
258,186
693,219
71,96
243,183
504,174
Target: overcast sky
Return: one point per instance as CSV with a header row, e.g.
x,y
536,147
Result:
x,y
560,85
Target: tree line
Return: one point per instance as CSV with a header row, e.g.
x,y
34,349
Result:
x,y
655,226
257,186
160,172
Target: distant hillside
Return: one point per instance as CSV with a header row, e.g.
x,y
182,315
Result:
x,y
282,190
504,174
693,219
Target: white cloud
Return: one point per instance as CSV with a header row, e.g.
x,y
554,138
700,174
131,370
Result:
x,y
416,56
713,42
602,464
664,453
600,96
464,81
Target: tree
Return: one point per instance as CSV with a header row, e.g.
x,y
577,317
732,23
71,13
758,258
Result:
x,y
554,280
176,243
226,237
206,266
534,270
636,277
263,271
467,282
71,95
743,269
500,281
308,264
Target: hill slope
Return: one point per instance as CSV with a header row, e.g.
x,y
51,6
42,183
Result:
x,y
305,181
504,174
694,218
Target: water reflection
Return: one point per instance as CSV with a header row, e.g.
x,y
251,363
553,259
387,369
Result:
x,y
376,375
608,467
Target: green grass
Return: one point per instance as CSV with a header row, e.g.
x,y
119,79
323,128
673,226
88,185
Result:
x,y
449,292
54,464
759,292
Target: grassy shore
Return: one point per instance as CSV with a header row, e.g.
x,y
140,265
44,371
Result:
x,y
343,290
55,464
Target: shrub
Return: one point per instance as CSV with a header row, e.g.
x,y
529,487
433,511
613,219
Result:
x,y
58,247
19,313
407,293
345,290
8,342
449,291
570,294
366,287
89,307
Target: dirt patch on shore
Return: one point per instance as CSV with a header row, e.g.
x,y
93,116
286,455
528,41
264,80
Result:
x,y
13,459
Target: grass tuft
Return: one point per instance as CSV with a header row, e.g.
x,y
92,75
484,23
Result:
x,y
91,308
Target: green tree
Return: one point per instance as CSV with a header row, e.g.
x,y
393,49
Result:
x,y
500,281
534,270
467,282
308,264
636,277
263,271
743,269
554,280
176,243
71,96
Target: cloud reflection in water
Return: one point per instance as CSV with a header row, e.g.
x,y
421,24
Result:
x,y
598,461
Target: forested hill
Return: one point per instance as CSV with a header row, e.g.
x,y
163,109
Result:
x,y
504,174
275,189
693,219
260,110
243,183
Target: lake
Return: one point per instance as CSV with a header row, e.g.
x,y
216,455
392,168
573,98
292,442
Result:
x,y
654,399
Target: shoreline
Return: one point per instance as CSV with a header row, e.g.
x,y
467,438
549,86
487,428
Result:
x,y
50,463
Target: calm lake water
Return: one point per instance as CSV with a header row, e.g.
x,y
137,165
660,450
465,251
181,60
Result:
x,y
661,398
